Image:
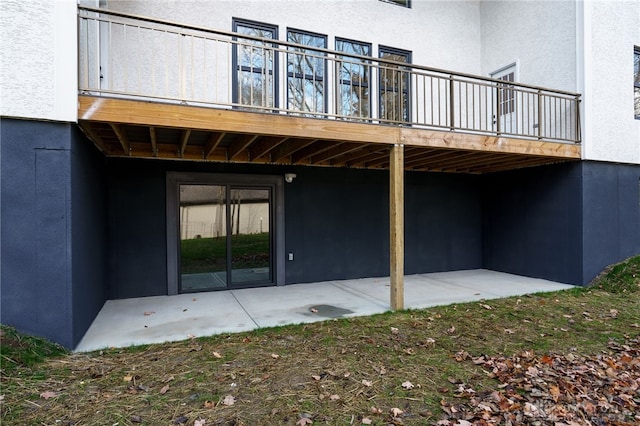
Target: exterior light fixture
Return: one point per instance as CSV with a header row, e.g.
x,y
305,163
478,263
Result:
x,y
289,177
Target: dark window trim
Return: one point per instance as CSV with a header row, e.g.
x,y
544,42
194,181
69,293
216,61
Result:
x,y
401,3
309,76
395,51
235,22
173,182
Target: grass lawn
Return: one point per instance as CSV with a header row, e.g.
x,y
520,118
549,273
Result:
x,y
209,254
447,365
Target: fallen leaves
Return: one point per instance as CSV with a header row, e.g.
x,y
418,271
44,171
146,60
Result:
x,y
48,394
396,412
571,390
304,421
228,400
407,385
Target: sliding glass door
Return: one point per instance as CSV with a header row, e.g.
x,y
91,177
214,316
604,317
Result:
x,y
225,236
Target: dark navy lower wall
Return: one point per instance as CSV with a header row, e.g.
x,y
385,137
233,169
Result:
x,y
337,222
564,222
611,215
36,209
35,171
533,222
53,232
443,222
89,233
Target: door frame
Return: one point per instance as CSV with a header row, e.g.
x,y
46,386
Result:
x,y
173,182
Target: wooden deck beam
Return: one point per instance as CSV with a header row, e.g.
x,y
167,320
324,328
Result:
x,y
288,148
184,140
240,145
122,138
126,111
265,145
212,144
154,141
306,153
113,125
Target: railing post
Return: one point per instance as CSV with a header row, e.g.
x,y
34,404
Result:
x,y
452,120
498,109
578,138
539,115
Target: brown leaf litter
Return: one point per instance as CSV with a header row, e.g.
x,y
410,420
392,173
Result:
x,y
558,390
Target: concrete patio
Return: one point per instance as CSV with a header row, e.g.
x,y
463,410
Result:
x,y
127,322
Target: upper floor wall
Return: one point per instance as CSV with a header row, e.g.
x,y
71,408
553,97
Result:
x,y
423,29
610,31
538,37
38,59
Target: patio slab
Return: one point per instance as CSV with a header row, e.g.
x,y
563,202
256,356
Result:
x,y
158,319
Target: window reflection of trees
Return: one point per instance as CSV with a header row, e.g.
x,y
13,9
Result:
x,y
394,86
353,94
306,73
256,67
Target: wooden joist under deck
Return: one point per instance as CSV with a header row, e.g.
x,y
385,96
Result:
x,y
130,128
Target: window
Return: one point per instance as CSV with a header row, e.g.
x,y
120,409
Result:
x,y
353,94
306,72
506,94
255,80
394,85
636,81
404,3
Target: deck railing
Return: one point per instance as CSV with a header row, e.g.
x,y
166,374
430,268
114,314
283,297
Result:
x,y
122,55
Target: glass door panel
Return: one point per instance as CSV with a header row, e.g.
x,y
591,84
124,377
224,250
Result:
x,y
203,237
250,235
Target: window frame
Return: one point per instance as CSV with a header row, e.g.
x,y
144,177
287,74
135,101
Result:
x,y
401,3
406,119
236,22
174,179
307,77
341,83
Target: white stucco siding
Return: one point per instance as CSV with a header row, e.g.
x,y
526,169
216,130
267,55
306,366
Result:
x,y
38,59
611,30
441,34
540,36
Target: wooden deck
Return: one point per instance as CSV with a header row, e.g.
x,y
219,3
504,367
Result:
x,y
135,128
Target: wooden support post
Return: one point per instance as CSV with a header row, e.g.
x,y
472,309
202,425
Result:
x,y
396,226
